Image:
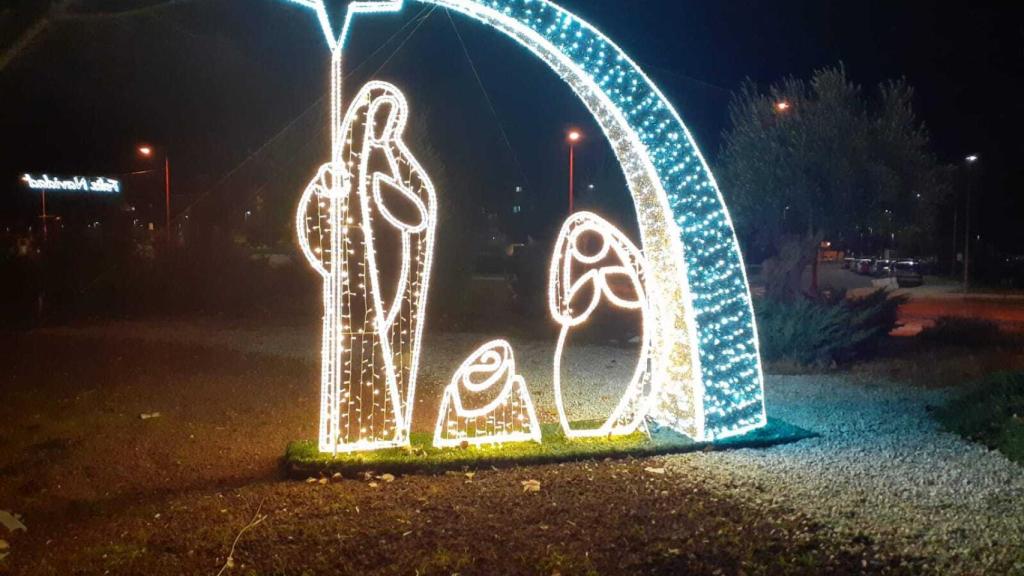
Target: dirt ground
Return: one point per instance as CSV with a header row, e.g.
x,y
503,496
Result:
x,y
104,491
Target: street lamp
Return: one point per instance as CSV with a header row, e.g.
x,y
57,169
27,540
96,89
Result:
x,y
782,106
971,161
147,152
44,216
574,137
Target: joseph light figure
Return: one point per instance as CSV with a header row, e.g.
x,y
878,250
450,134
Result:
x,y
366,223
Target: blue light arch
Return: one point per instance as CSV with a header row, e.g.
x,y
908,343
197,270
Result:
x,y
707,338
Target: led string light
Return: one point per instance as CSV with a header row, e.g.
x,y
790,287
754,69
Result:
x,y
704,345
408,178
367,385
357,7
566,283
503,410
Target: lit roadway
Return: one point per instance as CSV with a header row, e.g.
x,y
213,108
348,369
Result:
x,y
936,298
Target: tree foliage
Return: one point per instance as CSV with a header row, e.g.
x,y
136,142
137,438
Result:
x,y
835,163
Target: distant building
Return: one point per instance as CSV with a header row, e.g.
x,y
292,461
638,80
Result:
x,y
517,220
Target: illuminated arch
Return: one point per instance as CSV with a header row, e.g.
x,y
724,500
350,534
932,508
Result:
x,y
704,342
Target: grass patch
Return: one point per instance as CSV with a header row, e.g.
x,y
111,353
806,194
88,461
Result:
x,y
991,414
303,460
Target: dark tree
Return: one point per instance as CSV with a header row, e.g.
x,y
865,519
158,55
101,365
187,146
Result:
x,y
811,160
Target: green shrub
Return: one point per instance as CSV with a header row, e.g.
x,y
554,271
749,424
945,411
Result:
x,y
962,331
809,332
992,414
874,316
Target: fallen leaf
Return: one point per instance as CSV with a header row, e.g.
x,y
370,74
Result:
x,y
323,480
654,470
387,477
470,475
336,477
11,522
310,480
373,484
531,485
147,416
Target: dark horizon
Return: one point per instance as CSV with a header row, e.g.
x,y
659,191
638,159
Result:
x,y
210,83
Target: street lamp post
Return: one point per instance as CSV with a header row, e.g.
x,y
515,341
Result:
x,y
574,136
147,152
971,160
44,215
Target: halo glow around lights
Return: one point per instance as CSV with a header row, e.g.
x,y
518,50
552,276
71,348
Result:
x,y
506,414
703,341
367,384
622,264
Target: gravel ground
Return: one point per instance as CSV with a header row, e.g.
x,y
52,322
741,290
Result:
x,y
442,354
104,490
881,471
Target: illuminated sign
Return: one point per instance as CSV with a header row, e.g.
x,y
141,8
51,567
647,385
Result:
x,y
98,184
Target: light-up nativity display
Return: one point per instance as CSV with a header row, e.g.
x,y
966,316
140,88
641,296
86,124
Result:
x,y
699,371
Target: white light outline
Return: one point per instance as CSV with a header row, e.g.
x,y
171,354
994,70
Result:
x,y
391,142
359,7
89,184
366,106
562,290
617,128
497,358
611,119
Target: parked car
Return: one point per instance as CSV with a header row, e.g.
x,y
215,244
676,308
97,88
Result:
x,y
863,266
908,273
848,263
881,268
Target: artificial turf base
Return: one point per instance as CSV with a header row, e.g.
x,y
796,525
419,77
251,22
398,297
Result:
x,y
302,459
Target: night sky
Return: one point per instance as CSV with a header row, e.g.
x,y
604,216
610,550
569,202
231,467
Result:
x,y
213,82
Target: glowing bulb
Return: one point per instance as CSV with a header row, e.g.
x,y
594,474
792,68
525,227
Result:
x,y
704,347
370,406
487,402
617,261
